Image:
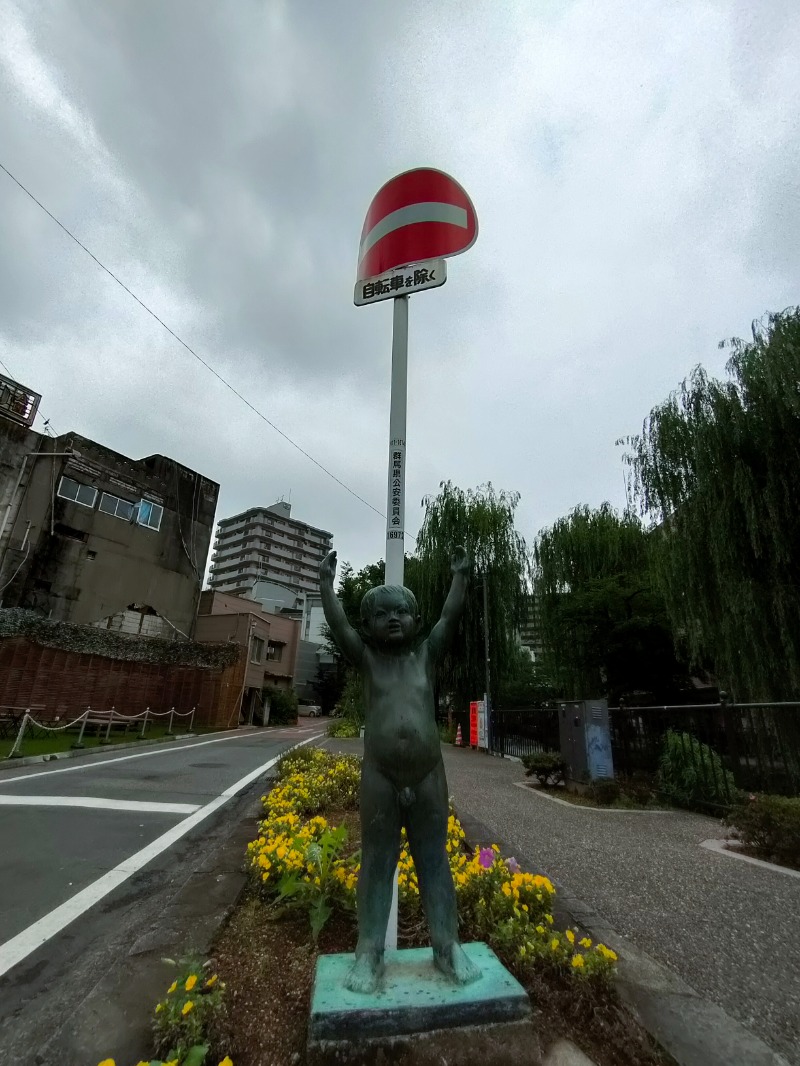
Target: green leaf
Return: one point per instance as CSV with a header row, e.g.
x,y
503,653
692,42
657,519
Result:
x,y
196,1056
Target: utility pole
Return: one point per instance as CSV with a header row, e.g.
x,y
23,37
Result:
x,y
486,695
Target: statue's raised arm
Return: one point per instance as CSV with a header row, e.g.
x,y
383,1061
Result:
x,y
350,643
445,629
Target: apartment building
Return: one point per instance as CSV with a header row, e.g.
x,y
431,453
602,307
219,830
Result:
x,y
266,544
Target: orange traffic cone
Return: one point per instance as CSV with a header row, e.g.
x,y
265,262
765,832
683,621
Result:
x,y
458,741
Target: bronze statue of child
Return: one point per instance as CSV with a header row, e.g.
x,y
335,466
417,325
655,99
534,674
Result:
x,y
402,775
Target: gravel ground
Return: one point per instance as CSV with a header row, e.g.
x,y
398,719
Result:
x,y
729,929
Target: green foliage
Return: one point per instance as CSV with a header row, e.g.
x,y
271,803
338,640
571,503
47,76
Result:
x,y
717,470
691,774
547,767
344,729
447,733
525,684
770,825
351,703
282,705
190,1012
482,520
316,894
604,626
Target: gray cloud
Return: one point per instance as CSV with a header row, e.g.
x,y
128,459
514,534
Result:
x,y
632,171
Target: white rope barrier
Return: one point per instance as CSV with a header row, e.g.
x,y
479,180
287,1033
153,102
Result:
x,y
90,717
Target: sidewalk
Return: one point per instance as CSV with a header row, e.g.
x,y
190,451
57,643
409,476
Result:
x,y
729,929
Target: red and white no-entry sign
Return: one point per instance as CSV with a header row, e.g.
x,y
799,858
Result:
x,y
419,215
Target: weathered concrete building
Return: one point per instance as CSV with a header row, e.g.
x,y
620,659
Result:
x,y
90,536
270,640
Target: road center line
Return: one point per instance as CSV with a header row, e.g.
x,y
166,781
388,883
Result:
x,y
23,944
88,765
99,803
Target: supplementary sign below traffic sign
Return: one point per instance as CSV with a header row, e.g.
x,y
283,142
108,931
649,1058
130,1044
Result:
x,y
419,215
415,278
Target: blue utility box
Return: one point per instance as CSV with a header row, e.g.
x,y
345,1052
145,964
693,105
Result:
x,y
585,736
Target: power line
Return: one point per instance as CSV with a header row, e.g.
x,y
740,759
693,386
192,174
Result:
x,y
188,348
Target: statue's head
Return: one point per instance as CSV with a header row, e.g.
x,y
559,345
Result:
x,y
390,616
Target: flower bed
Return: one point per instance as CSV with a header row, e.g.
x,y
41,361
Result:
x,y
303,869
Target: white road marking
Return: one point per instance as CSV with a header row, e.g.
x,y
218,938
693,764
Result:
x,y
20,946
98,803
88,765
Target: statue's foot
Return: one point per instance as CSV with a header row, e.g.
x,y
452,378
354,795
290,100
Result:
x,y
454,963
365,973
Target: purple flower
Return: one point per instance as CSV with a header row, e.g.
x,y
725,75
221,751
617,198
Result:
x,y
513,865
486,858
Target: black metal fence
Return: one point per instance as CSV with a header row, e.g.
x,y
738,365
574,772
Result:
x,y
758,744
523,732
754,747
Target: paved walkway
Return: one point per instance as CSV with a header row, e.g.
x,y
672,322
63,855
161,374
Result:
x,y
729,929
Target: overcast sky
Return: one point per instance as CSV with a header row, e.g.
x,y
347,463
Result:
x,y
634,167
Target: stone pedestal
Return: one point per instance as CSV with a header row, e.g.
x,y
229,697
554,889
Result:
x,y
419,1016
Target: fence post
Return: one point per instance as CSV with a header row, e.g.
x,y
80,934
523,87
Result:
x,y
191,721
171,715
144,721
108,727
79,742
15,752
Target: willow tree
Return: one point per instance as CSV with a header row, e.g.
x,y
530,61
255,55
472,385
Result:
x,y
604,627
483,521
717,470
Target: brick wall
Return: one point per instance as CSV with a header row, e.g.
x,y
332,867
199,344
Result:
x,y
66,682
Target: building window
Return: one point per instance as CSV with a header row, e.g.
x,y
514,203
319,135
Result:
x,y
274,652
114,505
73,490
150,514
257,650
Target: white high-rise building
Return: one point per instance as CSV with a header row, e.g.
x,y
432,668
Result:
x,y
266,544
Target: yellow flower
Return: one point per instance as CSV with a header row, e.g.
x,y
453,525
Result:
x,y
107,1062
227,1061
212,981
159,1006
577,961
188,1005
540,929
570,936
554,944
191,981
585,943
172,987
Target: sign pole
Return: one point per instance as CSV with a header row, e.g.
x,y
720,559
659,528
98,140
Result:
x,y
396,505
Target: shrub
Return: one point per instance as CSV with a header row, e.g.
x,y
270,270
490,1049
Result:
x,y
282,705
344,728
447,733
770,825
605,793
547,766
691,774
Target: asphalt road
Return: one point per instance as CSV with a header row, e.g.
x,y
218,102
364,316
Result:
x,y
108,857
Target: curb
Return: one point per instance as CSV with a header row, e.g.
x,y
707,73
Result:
x,y
587,807
693,1030
720,847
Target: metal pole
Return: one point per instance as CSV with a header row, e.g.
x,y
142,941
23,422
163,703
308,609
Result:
x,y
396,502
144,720
108,728
14,751
396,497
169,727
191,721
